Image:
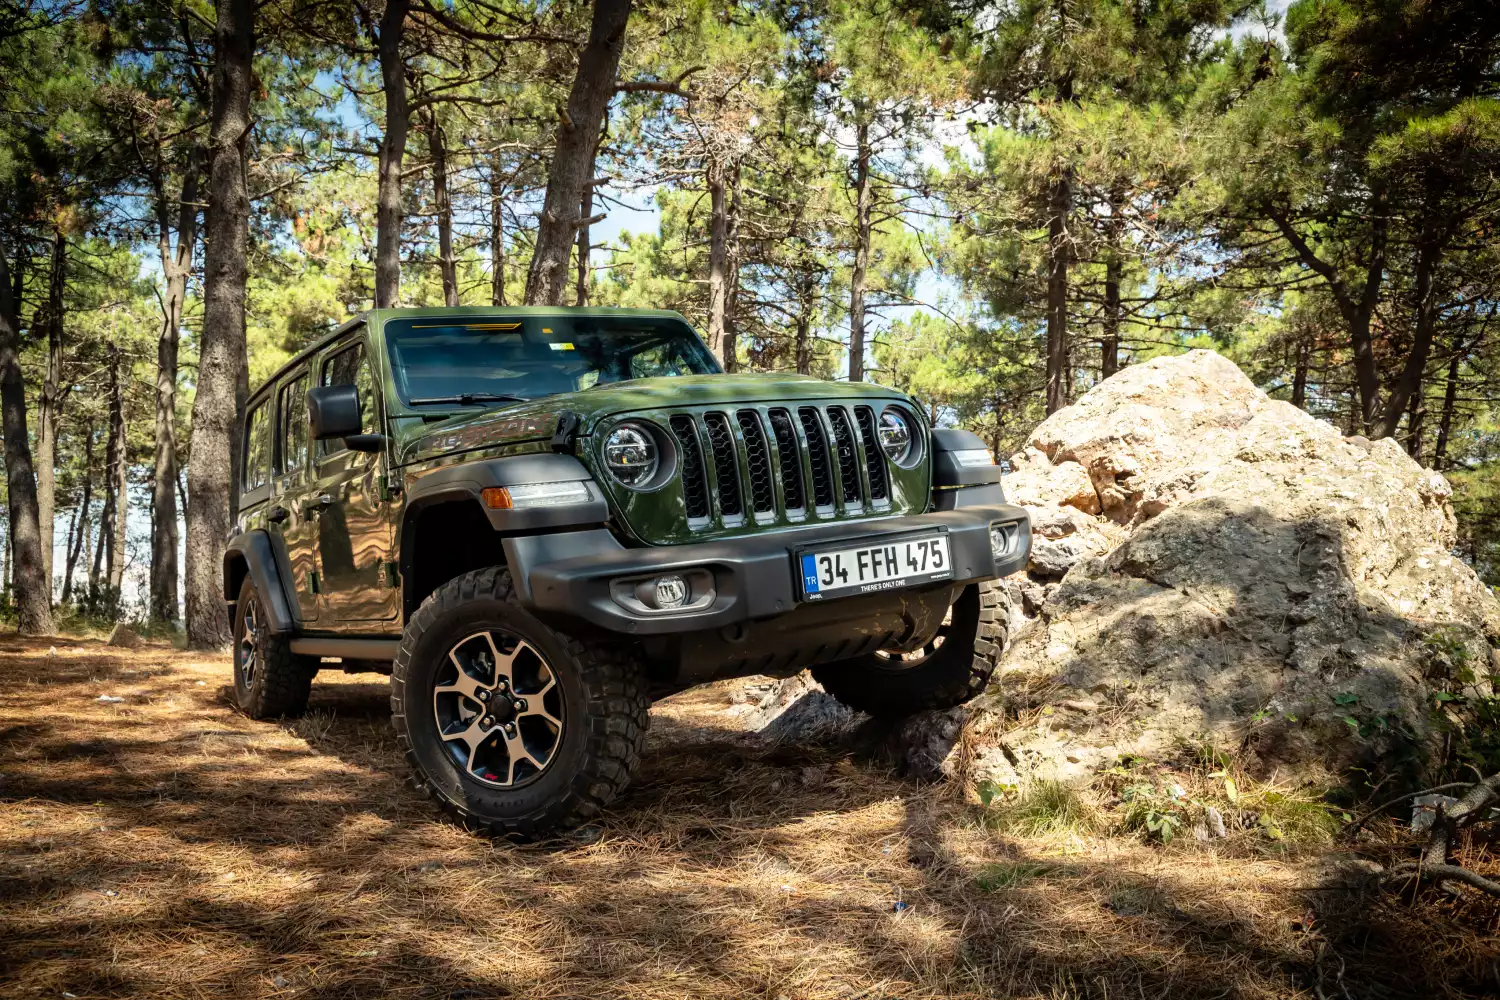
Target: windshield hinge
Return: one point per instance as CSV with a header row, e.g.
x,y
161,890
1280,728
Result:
x,y
566,432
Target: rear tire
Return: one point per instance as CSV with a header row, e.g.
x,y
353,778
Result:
x,y
512,727
270,681
942,676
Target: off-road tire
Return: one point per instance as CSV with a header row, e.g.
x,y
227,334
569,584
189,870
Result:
x,y
955,671
604,725
281,681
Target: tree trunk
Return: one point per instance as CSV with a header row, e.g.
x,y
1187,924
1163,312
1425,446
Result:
x,y
1060,204
222,353
573,159
804,327
585,244
443,203
1445,423
50,404
115,461
388,211
1426,308
1416,411
85,508
1299,372
863,202
732,292
33,593
177,265
497,238
718,264
1110,358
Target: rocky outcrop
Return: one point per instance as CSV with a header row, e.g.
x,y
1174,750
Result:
x,y
1209,563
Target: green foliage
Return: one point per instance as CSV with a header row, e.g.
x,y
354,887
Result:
x,y
1155,811
1039,809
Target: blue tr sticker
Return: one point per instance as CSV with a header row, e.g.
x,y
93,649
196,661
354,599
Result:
x,y
809,574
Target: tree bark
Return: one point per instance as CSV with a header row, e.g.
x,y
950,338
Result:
x,y
388,212
443,203
497,238
177,265
803,324
1450,404
1110,350
1299,372
50,404
218,404
863,229
1416,411
719,224
1358,311
33,594
573,159
1409,381
585,244
86,510
1060,203
115,465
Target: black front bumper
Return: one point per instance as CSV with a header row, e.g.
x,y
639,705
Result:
x,y
568,575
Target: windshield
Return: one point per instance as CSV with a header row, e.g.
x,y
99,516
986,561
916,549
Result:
x,y
481,359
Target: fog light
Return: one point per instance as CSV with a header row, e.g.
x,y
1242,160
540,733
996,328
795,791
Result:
x,y
1000,540
671,592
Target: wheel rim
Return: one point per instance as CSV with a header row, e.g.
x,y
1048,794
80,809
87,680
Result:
x,y
250,652
498,708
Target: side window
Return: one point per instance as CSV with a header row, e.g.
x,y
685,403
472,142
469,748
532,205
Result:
x,y
293,437
258,447
659,359
350,366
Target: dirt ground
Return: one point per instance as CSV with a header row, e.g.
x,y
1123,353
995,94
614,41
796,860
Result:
x,y
162,845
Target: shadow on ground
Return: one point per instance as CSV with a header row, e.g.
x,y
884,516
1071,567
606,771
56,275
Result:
x,y
165,846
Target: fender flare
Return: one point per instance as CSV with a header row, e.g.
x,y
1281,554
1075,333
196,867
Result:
x,y
259,554
467,480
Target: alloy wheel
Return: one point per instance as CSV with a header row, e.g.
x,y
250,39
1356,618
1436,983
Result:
x,y
250,644
499,708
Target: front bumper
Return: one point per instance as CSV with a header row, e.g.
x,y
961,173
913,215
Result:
x,y
568,575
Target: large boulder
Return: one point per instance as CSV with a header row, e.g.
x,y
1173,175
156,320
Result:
x,y
1232,570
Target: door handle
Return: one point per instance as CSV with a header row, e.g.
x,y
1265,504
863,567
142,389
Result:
x,y
278,514
318,502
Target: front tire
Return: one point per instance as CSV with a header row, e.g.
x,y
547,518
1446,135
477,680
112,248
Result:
x,y
270,681
511,726
955,667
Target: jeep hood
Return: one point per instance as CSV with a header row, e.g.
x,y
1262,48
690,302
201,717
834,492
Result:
x,y
536,419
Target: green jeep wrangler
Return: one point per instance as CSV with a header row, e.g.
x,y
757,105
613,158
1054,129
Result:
x,y
538,520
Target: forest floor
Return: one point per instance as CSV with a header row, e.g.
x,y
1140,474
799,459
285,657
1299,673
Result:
x,y
163,845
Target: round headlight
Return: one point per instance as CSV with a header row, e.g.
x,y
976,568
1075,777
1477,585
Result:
x,y
630,455
895,436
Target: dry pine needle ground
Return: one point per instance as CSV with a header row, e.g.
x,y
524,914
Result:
x,y
165,846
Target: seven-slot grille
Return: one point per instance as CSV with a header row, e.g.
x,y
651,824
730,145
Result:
x,y
762,463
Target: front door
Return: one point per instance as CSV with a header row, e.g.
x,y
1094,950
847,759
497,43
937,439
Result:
x,y
291,517
353,520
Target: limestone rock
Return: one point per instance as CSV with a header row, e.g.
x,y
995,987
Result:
x,y
1252,577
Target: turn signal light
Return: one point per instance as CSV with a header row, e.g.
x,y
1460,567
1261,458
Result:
x,y
529,495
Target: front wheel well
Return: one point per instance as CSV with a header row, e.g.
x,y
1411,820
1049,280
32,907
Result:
x,y
236,568
441,541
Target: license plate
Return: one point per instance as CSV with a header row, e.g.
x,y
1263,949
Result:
x,y
870,566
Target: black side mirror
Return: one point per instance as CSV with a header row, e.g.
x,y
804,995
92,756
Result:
x,y
333,411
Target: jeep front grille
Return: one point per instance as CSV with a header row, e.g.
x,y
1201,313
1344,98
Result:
x,y
765,464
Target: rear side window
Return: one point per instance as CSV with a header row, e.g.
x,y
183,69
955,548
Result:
x,y
351,366
258,447
293,436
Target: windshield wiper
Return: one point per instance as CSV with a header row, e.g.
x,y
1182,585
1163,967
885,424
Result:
x,y
469,398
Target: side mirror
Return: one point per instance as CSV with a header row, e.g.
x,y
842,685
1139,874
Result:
x,y
333,411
